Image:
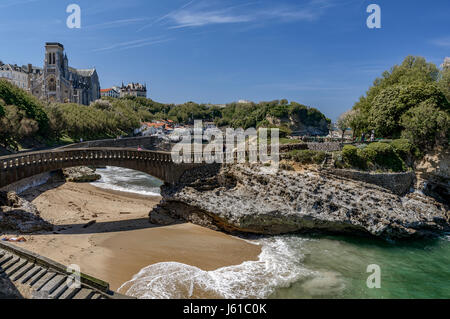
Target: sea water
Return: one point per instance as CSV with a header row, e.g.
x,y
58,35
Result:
x,y
127,180
296,266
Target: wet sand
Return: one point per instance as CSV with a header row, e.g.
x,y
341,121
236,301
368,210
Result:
x,y
122,241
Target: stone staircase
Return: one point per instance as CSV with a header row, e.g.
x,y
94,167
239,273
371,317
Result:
x,y
45,279
328,162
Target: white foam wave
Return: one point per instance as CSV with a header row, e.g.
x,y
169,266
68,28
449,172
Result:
x,y
126,180
134,190
279,265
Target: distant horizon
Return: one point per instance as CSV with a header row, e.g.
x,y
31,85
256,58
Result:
x,y
319,53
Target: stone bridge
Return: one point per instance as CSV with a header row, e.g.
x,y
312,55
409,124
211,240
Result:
x,y
16,167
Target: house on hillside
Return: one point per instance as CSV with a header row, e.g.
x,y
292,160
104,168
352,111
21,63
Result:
x,y
111,92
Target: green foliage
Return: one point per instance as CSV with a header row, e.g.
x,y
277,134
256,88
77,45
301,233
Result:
x,y
444,82
426,124
102,104
283,131
375,156
279,111
382,155
12,95
103,119
111,117
306,156
15,125
265,114
188,112
393,104
350,156
405,149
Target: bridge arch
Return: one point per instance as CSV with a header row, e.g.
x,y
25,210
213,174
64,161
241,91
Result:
x,y
14,168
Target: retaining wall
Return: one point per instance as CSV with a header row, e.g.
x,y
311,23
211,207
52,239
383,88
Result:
x,y
397,183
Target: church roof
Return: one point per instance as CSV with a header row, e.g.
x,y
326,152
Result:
x,y
85,72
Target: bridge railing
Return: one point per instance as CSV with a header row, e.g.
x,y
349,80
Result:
x,y
83,156
44,157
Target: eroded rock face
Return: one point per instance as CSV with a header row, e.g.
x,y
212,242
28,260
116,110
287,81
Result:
x,y
19,215
434,174
249,199
81,174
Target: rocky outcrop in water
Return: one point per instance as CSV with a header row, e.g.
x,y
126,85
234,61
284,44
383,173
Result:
x,y
19,215
242,198
81,174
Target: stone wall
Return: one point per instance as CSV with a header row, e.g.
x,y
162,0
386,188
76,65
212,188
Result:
x,y
24,184
325,146
292,147
397,183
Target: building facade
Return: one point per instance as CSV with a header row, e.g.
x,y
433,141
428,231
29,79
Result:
x,y
446,64
133,89
57,82
14,74
111,92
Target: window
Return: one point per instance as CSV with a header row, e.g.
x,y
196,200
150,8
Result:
x,y
51,84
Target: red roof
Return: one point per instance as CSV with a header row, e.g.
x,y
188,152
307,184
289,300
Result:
x,y
154,124
105,90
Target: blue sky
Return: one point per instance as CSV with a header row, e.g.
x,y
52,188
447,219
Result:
x,y
316,52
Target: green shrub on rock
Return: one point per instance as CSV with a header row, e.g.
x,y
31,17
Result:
x,y
350,155
382,155
307,156
2,107
405,149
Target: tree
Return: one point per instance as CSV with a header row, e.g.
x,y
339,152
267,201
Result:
x,y
13,95
15,125
2,108
391,103
344,121
411,70
444,82
393,106
427,124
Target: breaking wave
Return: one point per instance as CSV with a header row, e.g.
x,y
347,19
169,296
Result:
x,y
279,265
127,180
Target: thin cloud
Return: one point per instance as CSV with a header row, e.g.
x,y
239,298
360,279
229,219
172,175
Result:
x,y
185,19
204,13
442,42
133,44
117,23
166,16
14,3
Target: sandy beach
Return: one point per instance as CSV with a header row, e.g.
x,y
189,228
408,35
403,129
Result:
x,y
122,241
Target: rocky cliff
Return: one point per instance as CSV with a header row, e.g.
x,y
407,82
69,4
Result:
x,y
243,198
299,127
433,174
19,215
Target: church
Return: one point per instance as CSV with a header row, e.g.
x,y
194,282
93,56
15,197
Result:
x,y
57,82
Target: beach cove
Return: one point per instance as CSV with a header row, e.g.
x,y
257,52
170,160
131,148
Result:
x,y
189,261
122,241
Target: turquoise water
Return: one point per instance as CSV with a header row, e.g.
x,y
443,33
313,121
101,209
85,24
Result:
x,y
418,269
297,266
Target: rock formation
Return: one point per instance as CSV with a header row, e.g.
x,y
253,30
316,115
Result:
x,y
19,215
244,198
81,174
